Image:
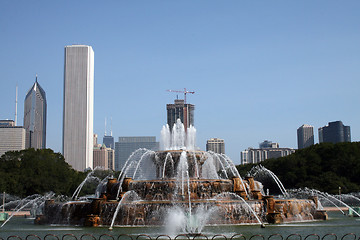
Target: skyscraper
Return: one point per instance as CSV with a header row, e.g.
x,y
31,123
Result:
x,y
305,136
215,145
35,117
109,142
78,106
335,132
128,145
182,111
104,157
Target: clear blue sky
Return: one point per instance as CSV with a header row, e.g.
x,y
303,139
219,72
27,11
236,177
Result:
x,y
260,69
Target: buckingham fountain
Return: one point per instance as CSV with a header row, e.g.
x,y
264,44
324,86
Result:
x,y
182,187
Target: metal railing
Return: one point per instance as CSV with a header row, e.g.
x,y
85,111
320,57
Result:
x,y
295,236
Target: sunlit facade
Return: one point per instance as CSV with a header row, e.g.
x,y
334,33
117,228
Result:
x,y
215,145
78,106
266,150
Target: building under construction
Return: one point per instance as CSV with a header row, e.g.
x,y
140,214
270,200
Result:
x,y
180,110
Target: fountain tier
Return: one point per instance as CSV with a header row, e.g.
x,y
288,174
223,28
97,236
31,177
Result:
x,y
197,184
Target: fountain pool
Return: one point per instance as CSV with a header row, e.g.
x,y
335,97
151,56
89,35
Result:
x,y
337,224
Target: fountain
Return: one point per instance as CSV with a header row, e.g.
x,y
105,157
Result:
x,y
336,201
32,201
180,187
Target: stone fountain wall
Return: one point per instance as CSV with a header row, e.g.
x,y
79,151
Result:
x,y
169,190
181,186
154,200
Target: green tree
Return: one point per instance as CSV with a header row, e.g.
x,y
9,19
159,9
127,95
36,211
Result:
x,y
32,171
324,167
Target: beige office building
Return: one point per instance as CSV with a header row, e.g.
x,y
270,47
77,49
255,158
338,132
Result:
x,y
12,138
104,157
215,145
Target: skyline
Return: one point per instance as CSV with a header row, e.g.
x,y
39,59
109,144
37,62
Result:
x,y
259,70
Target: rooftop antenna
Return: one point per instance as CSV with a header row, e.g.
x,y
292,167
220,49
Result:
x,y
105,127
16,102
111,126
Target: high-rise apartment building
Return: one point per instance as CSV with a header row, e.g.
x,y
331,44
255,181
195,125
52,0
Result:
x,y
35,117
305,136
100,157
111,158
78,106
215,145
12,138
180,110
127,145
335,132
266,150
104,157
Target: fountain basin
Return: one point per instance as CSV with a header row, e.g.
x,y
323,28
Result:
x,y
220,198
192,188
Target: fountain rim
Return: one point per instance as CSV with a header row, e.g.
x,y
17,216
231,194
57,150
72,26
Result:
x,y
197,201
175,180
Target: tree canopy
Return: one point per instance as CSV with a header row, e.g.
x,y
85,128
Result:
x,y
30,171
324,167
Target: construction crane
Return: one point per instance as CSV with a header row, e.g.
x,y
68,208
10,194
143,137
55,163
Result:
x,y
185,92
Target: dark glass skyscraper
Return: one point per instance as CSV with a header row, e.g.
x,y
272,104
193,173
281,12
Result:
x,y
35,117
109,141
182,111
335,132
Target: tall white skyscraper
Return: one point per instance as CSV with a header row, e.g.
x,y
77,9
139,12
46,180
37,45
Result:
x,y
78,115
